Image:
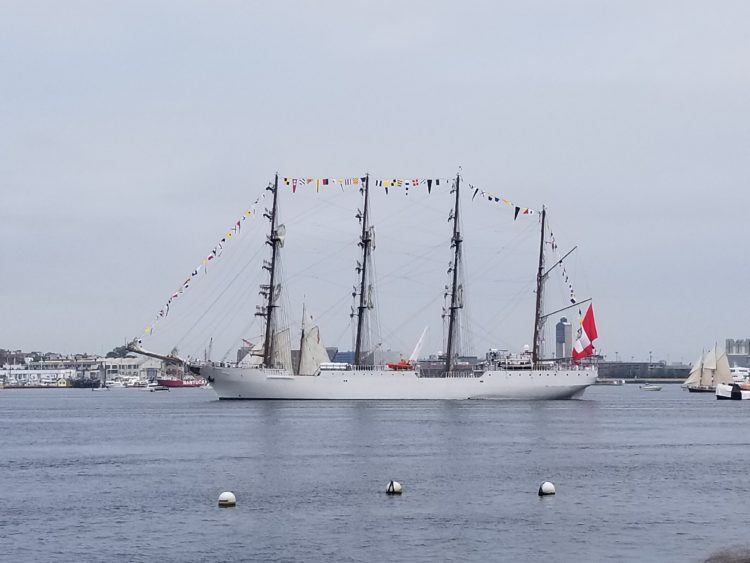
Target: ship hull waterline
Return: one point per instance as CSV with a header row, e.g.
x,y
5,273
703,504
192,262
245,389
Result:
x,y
233,383
178,383
701,389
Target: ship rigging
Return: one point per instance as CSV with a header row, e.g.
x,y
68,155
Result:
x,y
272,375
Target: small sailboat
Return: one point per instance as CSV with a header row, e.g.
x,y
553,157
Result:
x,y
709,371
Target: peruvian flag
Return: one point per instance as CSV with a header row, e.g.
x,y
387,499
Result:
x,y
584,346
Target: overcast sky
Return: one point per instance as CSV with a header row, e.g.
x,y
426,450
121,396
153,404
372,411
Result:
x,y
134,134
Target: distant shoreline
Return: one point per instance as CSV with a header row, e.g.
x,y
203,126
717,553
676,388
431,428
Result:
x,y
629,381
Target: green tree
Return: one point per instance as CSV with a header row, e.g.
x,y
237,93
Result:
x,y
119,352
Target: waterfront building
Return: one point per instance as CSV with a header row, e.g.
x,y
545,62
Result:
x,y
642,370
563,339
12,357
738,352
22,376
142,368
55,370
84,365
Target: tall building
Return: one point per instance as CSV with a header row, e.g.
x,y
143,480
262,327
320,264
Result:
x,y
563,338
738,352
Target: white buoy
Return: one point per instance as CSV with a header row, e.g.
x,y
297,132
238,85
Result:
x,y
227,499
546,488
393,488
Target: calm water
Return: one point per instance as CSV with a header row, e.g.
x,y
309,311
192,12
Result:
x,y
134,475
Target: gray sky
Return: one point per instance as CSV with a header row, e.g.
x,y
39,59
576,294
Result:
x,y
132,136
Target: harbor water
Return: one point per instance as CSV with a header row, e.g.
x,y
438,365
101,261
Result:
x,y
132,475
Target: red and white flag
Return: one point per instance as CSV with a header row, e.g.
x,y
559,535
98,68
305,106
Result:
x,y
584,346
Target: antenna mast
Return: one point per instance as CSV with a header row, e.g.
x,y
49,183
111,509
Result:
x,y
365,242
456,241
536,351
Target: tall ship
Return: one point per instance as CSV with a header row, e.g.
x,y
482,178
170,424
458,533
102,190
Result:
x,y
708,371
267,371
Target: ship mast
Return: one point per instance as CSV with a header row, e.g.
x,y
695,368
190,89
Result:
x,y
536,351
365,242
301,338
456,241
273,241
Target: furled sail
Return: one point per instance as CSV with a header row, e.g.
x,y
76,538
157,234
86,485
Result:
x,y
312,352
694,378
282,350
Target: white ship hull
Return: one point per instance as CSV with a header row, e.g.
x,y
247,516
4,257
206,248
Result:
x,y
732,392
261,383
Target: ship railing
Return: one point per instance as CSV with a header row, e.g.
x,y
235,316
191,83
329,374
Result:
x,y
275,370
462,373
253,366
547,366
352,367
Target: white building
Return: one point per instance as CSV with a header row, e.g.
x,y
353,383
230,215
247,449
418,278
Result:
x,y
563,339
141,368
21,376
60,371
85,366
738,351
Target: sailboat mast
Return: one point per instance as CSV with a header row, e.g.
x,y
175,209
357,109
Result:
x,y
301,338
538,319
456,244
365,242
273,241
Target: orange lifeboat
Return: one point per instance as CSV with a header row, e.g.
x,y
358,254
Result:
x,y
403,365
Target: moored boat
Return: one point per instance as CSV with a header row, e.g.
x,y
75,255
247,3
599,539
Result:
x,y
733,391
154,386
187,382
